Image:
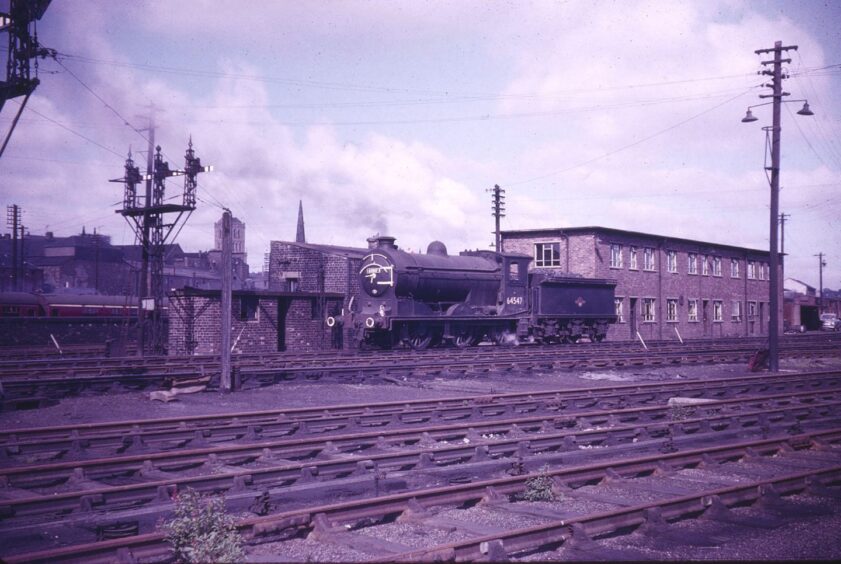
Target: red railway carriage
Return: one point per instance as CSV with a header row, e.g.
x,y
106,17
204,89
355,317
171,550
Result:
x,y
27,304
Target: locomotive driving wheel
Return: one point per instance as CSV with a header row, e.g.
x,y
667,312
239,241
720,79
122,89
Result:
x,y
422,337
465,337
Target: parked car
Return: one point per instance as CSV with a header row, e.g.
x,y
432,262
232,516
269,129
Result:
x,y
830,322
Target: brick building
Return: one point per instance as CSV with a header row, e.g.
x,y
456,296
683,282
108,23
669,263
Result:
x,y
667,288
306,267
262,321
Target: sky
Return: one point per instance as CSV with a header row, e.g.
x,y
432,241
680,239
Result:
x,y
398,118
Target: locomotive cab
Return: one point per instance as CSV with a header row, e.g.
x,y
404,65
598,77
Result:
x,y
513,294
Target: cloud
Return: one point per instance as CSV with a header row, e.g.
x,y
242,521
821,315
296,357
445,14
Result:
x,y
597,113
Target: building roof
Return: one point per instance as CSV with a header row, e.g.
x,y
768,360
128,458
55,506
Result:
x,y
622,232
796,281
135,252
190,291
354,252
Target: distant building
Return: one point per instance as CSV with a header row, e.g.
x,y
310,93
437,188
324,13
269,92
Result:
x,y
802,307
84,263
239,257
795,285
89,264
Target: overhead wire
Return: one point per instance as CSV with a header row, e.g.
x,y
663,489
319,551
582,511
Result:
x,y
76,133
827,140
630,145
101,99
123,119
473,118
804,136
372,88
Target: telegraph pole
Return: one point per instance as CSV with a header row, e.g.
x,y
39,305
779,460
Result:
x,y
777,86
776,96
821,264
498,200
225,383
143,325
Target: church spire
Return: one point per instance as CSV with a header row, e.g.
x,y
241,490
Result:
x,y
300,237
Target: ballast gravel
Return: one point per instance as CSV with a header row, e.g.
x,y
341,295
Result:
x,y
799,538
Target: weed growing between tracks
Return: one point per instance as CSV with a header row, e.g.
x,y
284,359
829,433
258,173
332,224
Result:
x,y
538,488
202,530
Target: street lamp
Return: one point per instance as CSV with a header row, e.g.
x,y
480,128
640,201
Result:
x,y
777,100
804,111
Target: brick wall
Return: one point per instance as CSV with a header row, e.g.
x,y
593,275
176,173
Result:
x,y
315,269
287,322
588,253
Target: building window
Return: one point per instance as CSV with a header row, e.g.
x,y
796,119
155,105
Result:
x,y
751,270
616,256
705,265
671,310
648,310
671,258
693,264
648,259
617,304
632,258
736,311
716,266
751,310
762,270
693,310
248,310
718,314
734,268
547,255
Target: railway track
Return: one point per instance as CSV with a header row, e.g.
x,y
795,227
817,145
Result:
x,y
807,465
412,454
31,385
76,438
11,366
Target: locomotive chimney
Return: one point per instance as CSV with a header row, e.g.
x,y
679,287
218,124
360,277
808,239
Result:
x,y
382,242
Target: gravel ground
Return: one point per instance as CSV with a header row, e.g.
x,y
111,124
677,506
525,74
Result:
x,y
137,405
812,538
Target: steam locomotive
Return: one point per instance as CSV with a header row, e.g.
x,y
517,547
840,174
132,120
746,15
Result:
x,y
425,300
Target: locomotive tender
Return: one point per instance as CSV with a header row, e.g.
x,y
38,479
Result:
x,y
428,299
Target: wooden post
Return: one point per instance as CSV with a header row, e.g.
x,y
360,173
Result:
x,y
225,348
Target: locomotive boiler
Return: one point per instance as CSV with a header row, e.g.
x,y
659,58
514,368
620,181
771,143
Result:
x,y
429,299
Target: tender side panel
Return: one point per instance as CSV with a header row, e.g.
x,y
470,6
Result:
x,y
574,298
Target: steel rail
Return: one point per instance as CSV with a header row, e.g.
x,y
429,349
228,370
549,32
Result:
x,y
22,392
534,437
234,426
8,368
154,545
601,523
